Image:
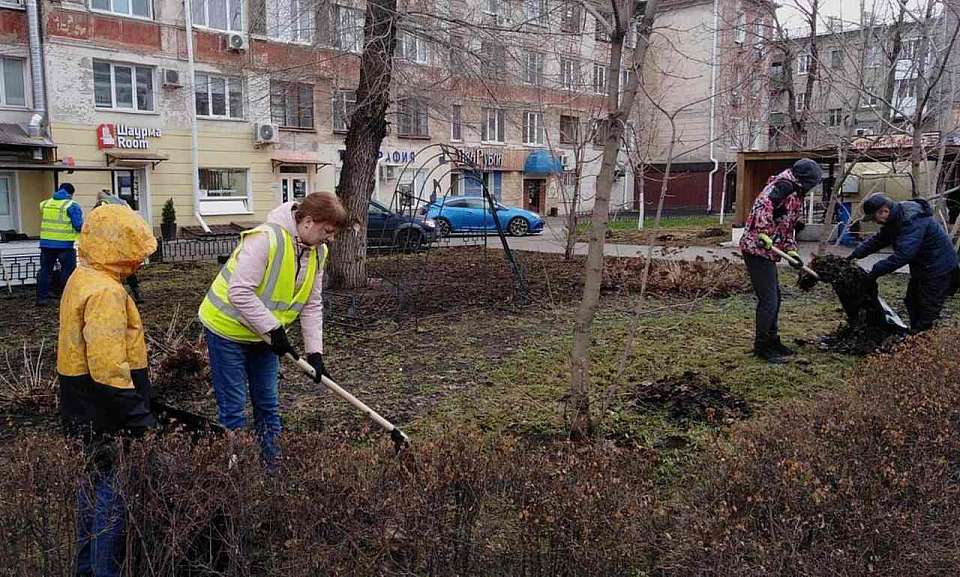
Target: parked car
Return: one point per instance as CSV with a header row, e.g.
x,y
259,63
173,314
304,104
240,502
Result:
x,y
472,214
388,228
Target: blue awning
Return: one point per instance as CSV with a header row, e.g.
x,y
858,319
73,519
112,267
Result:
x,y
542,163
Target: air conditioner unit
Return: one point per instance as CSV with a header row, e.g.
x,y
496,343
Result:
x,y
266,133
171,78
237,42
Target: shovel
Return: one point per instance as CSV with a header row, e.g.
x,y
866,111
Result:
x,y
889,315
399,438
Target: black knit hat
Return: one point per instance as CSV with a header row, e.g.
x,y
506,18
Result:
x,y
873,203
67,188
808,173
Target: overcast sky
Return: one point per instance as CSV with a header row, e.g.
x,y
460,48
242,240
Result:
x,y
848,10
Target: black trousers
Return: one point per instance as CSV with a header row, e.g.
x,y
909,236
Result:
x,y
925,298
766,285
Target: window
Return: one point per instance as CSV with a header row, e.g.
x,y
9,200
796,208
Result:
x,y
122,87
569,129
492,128
569,73
599,78
223,182
600,132
906,88
291,20
349,28
224,15
532,128
571,19
291,104
835,117
218,96
910,49
12,86
740,29
870,98
836,58
493,61
456,129
600,31
138,8
412,118
803,63
344,103
533,68
491,7
872,57
411,47
535,12
803,101
458,45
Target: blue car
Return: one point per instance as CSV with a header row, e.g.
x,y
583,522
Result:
x,y
472,214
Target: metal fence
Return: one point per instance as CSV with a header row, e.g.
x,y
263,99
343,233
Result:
x,y
205,248
19,270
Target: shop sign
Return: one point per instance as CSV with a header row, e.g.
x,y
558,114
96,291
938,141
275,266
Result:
x,y
482,158
125,137
392,157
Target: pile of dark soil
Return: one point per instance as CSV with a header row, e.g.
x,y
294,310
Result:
x,y
712,232
866,331
692,397
183,372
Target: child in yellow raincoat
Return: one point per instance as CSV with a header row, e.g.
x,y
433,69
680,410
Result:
x,y
102,369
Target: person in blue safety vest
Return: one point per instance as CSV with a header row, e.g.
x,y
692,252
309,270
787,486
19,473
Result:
x,y
61,220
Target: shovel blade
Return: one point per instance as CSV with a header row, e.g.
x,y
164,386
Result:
x,y
891,315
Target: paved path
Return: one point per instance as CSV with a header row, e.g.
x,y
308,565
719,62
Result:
x,y
552,241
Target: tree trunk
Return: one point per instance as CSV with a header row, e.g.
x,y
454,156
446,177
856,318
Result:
x,y
573,206
581,419
368,127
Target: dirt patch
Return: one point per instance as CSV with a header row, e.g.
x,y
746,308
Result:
x,y
692,397
866,330
183,371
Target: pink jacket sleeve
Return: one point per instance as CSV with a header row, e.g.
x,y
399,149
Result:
x,y
311,318
251,264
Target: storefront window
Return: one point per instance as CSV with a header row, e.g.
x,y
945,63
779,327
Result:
x,y
123,87
223,182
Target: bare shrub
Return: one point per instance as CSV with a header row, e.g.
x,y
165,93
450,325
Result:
x,y
25,385
851,484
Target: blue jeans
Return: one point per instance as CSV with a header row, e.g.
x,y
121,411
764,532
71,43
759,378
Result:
x,y
48,257
236,368
101,516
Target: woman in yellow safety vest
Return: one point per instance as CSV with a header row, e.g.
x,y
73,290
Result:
x,y
272,278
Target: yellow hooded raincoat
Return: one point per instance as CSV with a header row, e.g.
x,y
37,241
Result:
x,y
102,355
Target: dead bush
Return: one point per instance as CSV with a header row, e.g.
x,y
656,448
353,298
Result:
x,y
458,506
851,484
26,386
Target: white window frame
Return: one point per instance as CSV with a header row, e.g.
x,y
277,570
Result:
x,y
497,115
113,88
835,117
24,73
800,101
533,129
599,78
491,7
803,63
535,12
212,201
412,47
355,34
456,123
740,28
226,84
347,97
129,14
569,73
533,59
869,99
285,22
206,16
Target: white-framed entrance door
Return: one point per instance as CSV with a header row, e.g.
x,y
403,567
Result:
x,y
131,186
9,211
293,186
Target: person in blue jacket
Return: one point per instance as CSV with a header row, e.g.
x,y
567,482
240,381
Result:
x,y
61,221
918,241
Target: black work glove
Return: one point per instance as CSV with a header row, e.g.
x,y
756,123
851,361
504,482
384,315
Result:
x,y
316,361
795,261
280,344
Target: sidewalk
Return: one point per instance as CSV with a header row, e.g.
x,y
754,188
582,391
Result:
x,y
552,240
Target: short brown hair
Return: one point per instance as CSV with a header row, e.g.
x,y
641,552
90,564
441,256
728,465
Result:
x,y
321,207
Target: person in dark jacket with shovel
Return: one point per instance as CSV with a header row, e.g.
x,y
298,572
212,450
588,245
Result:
x,y
918,241
772,223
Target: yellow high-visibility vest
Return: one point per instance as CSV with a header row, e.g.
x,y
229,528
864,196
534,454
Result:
x,y
277,289
55,223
